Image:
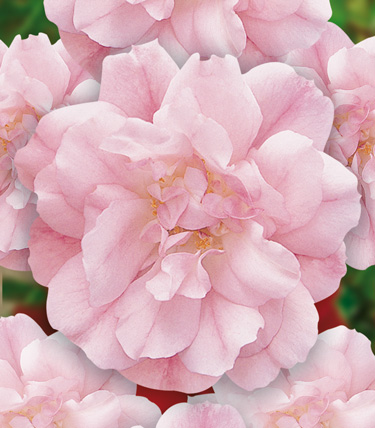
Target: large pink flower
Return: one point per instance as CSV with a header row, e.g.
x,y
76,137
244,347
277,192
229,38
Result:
x,y
345,73
185,224
255,30
334,388
35,78
48,382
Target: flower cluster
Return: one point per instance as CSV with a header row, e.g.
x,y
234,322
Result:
x,y
187,178
48,382
256,31
333,388
344,72
35,78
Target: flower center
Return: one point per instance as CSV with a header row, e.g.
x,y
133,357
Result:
x,y
362,124
294,412
365,149
297,412
30,412
19,128
179,199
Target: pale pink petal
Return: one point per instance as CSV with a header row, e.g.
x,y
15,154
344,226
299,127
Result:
x,y
115,238
77,179
233,106
344,74
340,210
212,142
273,10
316,57
21,422
289,343
61,13
77,74
360,410
138,410
149,328
42,147
277,159
224,328
56,250
360,241
113,23
15,225
300,106
9,381
353,346
50,68
42,361
137,82
168,374
322,276
70,285
87,53
158,9
206,415
260,264
180,273
52,203
139,140
15,334
16,260
98,410
209,27
297,30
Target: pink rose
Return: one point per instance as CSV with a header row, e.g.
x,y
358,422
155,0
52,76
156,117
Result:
x,y
35,78
187,226
47,381
346,73
256,31
334,387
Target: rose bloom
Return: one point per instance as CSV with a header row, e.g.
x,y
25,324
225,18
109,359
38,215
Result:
x,y
257,31
185,227
35,78
334,387
345,73
48,382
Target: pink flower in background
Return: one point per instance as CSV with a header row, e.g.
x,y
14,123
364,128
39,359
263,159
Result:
x,y
35,78
207,415
334,387
346,74
46,381
257,31
186,225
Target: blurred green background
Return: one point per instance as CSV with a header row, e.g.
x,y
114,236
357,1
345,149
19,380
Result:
x,y
353,304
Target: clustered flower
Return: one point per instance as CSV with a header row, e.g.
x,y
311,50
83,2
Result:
x,y
48,382
334,387
187,178
35,78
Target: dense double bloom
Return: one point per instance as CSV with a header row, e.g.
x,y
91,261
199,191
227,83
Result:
x,y
256,31
202,224
47,382
35,78
346,73
334,387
